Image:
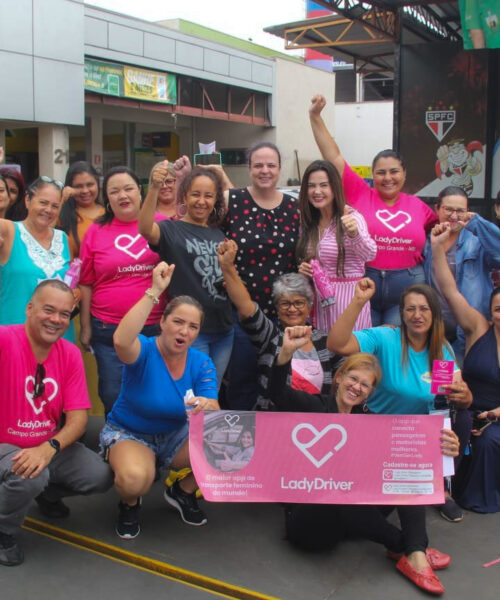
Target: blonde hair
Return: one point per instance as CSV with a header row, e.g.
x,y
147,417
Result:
x,y
361,360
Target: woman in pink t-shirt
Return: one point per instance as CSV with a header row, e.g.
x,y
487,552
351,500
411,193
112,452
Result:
x,y
116,272
397,221
333,246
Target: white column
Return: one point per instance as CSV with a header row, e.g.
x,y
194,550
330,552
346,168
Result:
x,y
2,141
96,157
53,150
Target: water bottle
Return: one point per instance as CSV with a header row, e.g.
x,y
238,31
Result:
x,y
72,276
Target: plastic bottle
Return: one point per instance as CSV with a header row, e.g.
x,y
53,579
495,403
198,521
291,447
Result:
x,y
72,276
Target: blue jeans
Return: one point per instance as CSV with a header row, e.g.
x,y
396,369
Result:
x,y
388,287
242,390
218,346
109,366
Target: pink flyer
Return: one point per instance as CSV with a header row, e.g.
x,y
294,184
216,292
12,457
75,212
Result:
x,y
317,458
442,374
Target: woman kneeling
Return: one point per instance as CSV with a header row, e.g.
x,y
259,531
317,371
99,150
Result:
x,y
147,428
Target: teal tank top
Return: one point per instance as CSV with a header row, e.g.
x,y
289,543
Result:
x,y
28,264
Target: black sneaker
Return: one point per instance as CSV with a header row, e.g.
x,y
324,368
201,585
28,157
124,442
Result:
x,y
53,510
451,511
186,504
10,552
127,523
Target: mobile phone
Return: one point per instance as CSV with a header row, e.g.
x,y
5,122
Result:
x,y
481,424
208,159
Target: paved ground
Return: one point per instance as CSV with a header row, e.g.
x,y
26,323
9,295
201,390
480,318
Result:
x,y
242,545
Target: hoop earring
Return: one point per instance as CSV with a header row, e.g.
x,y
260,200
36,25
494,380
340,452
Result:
x,y
108,208
181,210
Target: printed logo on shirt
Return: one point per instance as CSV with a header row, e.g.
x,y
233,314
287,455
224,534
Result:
x,y
206,264
427,377
395,221
133,246
37,404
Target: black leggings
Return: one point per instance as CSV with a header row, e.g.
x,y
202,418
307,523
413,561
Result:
x,y
319,527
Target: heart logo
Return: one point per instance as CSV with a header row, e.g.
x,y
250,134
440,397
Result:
x,y
394,222
443,364
317,435
30,383
231,420
128,242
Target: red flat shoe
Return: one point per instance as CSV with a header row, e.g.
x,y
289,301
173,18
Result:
x,y
425,579
437,560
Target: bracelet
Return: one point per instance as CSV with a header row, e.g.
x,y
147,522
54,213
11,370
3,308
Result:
x,y
149,294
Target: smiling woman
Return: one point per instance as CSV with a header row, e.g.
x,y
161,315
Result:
x,y
397,221
32,250
192,242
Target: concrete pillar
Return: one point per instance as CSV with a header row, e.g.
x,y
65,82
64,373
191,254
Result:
x,y
129,137
2,142
96,157
53,151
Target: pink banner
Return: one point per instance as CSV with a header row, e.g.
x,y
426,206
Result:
x,y
317,458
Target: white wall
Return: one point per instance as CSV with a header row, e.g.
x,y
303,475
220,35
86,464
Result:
x,y
362,130
296,84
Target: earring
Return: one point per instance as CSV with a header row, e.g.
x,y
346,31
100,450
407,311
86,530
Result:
x,y
181,210
108,208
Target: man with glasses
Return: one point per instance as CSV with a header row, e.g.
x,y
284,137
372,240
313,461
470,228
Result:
x,y
473,252
42,378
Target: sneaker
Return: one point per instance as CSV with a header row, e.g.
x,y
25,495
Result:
x,y
10,551
127,524
186,504
53,510
451,511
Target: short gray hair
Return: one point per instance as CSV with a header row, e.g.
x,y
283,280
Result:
x,y
290,284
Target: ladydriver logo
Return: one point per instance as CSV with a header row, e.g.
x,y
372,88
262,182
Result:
x,y
317,436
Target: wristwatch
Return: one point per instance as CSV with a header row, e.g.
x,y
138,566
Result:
x,y
55,444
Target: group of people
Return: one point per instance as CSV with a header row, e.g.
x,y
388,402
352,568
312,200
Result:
x,y
201,290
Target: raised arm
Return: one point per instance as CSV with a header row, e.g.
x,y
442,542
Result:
x,y
469,319
126,342
326,144
235,288
340,337
147,226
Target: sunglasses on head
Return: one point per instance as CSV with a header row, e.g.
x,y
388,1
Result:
x,y
39,383
44,179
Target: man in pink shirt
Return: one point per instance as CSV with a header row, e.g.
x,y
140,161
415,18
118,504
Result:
x,y
42,378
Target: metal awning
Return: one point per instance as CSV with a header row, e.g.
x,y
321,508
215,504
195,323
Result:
x,y
366,33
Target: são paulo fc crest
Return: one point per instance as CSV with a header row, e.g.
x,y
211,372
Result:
x,y
440,121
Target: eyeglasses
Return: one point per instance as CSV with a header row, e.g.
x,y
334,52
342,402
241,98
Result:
x,y
169,181
39,381
354,380
44,179
297,304
461,212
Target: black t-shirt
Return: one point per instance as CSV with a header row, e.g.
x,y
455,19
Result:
x,y
193,251
266,241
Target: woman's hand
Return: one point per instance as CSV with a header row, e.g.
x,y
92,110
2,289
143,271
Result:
x,y
201,403
440,234
162,274
293,339
85,338
450,444
349,223
182,167
318,103
365,288
226,252
159,174
483,415
68,192
305,269
77,295
460,394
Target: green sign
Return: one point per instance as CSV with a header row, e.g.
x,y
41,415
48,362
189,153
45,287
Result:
x,y
129,82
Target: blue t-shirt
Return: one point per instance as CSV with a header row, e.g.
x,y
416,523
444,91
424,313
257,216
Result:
x,y
151,400
404,389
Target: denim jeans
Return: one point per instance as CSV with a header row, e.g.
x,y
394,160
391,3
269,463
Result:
x,y
109,366
242,390
218,346
388,287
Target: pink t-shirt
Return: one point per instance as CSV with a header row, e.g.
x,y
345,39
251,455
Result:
x,y
26,421
399,231
117,262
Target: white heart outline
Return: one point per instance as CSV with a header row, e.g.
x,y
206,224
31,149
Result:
x,y
386,221
132,241
317,436
230,418
29,395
